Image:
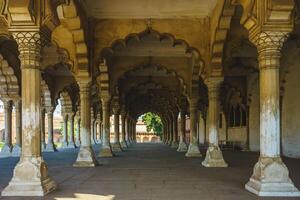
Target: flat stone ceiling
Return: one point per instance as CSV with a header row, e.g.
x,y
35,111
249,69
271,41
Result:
x,y
141,9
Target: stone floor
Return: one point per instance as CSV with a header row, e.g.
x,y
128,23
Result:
x,y
149,172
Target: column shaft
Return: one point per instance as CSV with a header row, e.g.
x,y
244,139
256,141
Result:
x,y
214,157
182,144
30,177
50,147
270,175
193,150
86,157
106,147
16,152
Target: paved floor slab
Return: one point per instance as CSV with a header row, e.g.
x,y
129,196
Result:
x,y
148,172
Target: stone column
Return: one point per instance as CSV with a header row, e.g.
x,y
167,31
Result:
x,y
16,152
175,131
193,150
106,148
123,140
65,131
50,147
86,157
169,141
116,145
214,156
71,142
7,148
30,177
78,140
182,144
171,136
127,131
270,175
100,132
93,131
43,143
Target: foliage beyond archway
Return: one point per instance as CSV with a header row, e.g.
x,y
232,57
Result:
x,y
153,122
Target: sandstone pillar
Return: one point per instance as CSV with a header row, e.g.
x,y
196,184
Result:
x,y
127,129
116,145
106,148
16,152
270,175
93,128
100,132
182,144
175,132
214,156
43,143
78,141
7,148
71,142
123,140
30,176
193,150
86,157
50,147
65,131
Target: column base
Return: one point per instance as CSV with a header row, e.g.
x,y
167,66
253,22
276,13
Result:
x,y
6,151
30,179
64,145
174,145
71,145
116,147
86,157
105,152
214,157
193,151
43,146
78,143
50,147
182,147
16,151
124,145
128,143
271,178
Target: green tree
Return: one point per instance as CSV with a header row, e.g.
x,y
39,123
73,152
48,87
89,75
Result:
x,y
153,122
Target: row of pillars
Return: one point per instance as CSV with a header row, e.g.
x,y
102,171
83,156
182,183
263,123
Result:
x,y
270,175
214,157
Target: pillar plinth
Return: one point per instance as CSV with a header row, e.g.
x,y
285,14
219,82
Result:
x,y
50,147
270,175
214,156
7,148
30,177
16,151
193,149
182,147
106,148
86,156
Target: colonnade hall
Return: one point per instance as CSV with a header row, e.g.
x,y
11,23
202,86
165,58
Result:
x,y
214,83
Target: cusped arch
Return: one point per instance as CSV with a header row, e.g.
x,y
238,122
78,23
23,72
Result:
x,y
10,88
160,38
159,68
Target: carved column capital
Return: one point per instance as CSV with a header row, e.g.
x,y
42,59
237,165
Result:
x,y
213,86
29,47
269,44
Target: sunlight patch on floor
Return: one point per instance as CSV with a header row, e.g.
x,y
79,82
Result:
x,y
87,197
